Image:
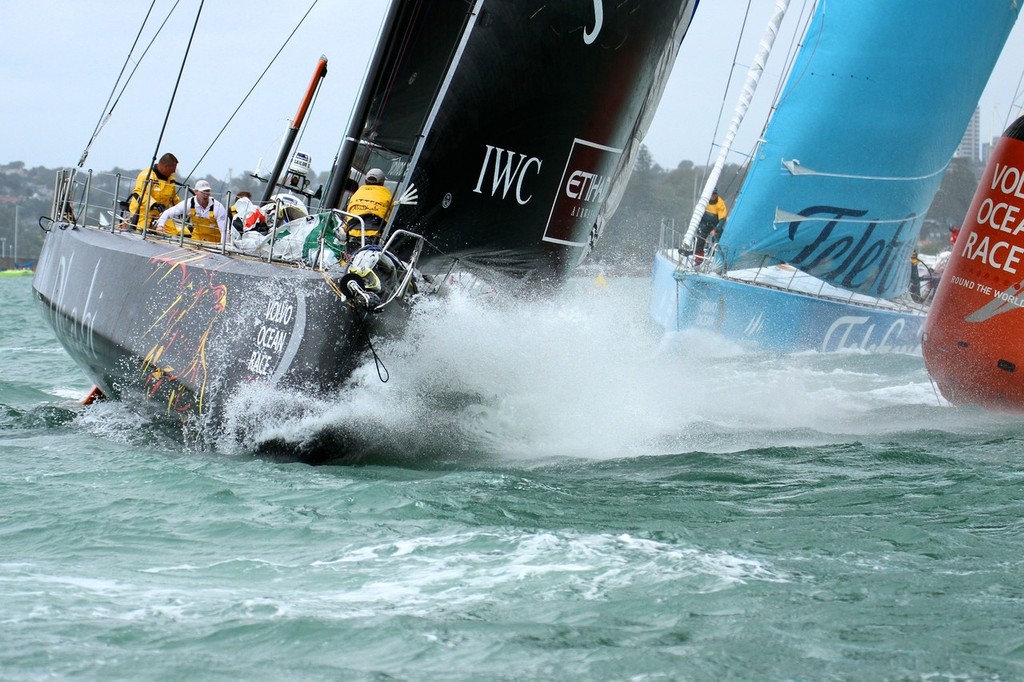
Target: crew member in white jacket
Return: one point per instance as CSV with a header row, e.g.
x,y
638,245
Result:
x,y
207,217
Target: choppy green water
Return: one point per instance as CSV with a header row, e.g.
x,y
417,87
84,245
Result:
x,y
551,492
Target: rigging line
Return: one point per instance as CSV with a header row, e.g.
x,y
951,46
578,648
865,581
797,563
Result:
x,y
382,371
725,93
801,25
174,93
252,89
362,140
754,73
1016,95
106,117
305,120
356,102
104,114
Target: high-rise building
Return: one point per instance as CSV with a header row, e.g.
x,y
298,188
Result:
x,y
970,145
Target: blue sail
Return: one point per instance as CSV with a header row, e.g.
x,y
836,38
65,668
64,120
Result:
x,y
876,102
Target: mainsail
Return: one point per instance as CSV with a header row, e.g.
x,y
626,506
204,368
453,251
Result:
x,y
517,121
876,102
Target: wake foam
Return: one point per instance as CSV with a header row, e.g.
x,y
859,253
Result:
x,y
582,375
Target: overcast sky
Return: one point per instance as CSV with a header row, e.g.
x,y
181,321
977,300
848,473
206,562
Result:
x,y
60,59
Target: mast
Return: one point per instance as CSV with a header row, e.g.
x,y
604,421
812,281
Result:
x,y
764,48
343,162
293,131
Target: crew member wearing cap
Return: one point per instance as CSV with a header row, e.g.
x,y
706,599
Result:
x,y
371,202
154,191
207,217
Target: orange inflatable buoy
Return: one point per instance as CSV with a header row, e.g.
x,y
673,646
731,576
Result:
x,y
973,337
94,395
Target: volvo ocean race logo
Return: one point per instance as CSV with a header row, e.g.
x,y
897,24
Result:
x,y
581,192
589,36
872,258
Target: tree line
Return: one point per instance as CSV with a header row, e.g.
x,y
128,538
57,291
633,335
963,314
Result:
x,y
654,196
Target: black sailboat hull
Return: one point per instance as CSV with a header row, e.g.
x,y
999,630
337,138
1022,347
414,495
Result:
x,y
507,130
179,328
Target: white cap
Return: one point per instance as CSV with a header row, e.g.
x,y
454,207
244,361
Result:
x,y
202,186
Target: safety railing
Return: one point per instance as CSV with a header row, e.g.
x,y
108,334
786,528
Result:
x,y
766,274
86,200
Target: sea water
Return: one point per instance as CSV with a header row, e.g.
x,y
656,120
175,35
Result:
x,y
544,490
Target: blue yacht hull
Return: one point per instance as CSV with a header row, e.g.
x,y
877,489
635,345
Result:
x,y
774,319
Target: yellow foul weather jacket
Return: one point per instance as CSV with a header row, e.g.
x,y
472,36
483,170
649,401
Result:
x,y
154,192
371,200
717,209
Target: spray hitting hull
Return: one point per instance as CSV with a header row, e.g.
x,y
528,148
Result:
x,y
776,315
506,131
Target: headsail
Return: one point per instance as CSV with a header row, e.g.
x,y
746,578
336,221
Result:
x,y
517,121
764,49
875,105
413,55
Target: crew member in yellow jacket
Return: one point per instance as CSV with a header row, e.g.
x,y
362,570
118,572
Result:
x,y
711,224
155,190
207,217
372,202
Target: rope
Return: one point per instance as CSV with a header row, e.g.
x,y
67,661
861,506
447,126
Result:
x,y
754,73
145,198
939,400
1016,95
305,121
106,116
333,285
382,370
725,94
174,93
253,88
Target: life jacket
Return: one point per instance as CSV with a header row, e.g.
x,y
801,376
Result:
x,y
204,227
370,227
371,200
154,191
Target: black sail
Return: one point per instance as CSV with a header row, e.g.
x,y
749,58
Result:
x,y
412,57
417,55
517,122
